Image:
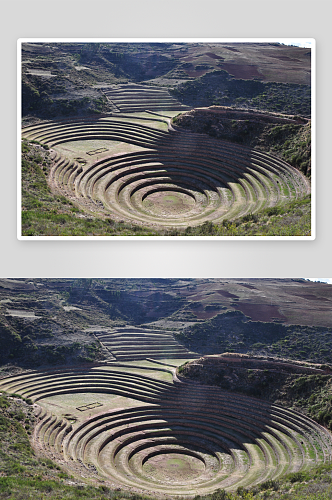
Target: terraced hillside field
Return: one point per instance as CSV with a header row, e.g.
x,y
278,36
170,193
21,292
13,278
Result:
x,y
130,344
137,426
140,169
133,98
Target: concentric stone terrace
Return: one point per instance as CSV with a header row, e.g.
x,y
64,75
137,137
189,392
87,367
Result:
x,y
139,169
152,435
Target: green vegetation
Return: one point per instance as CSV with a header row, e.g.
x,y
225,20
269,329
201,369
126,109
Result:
x,y
18,488
290,219
49,98
24,475
233,331
16,423
292,143
34,344
218,88
36,223
48,214
313,485
314,393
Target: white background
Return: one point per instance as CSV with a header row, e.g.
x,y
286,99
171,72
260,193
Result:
x,y
164,18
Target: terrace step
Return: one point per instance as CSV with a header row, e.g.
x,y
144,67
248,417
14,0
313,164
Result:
x,y
231,440
209,180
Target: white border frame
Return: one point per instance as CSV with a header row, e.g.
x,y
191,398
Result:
x,y
312,41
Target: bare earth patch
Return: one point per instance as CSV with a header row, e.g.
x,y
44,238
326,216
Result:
x,y
168,203
260,312
174,467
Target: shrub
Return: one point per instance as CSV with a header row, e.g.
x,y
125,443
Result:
x,y
250,218
273,211
4,424
297,477
269,485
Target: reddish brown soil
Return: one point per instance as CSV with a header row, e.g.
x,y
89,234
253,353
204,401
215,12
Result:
x,y
302,304
259,312
193,73
232,49
267,62
201,314
242,71
197,297
311,297
229,295
212,55
286,58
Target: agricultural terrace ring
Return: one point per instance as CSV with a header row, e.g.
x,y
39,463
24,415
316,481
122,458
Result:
x,y
138,167
136,426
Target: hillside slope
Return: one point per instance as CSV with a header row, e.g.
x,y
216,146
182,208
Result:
x,y
50,320
305,387
287,137
63,79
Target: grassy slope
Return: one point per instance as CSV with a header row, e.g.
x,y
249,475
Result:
x,y
47,214
290,142
292,219
24,474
